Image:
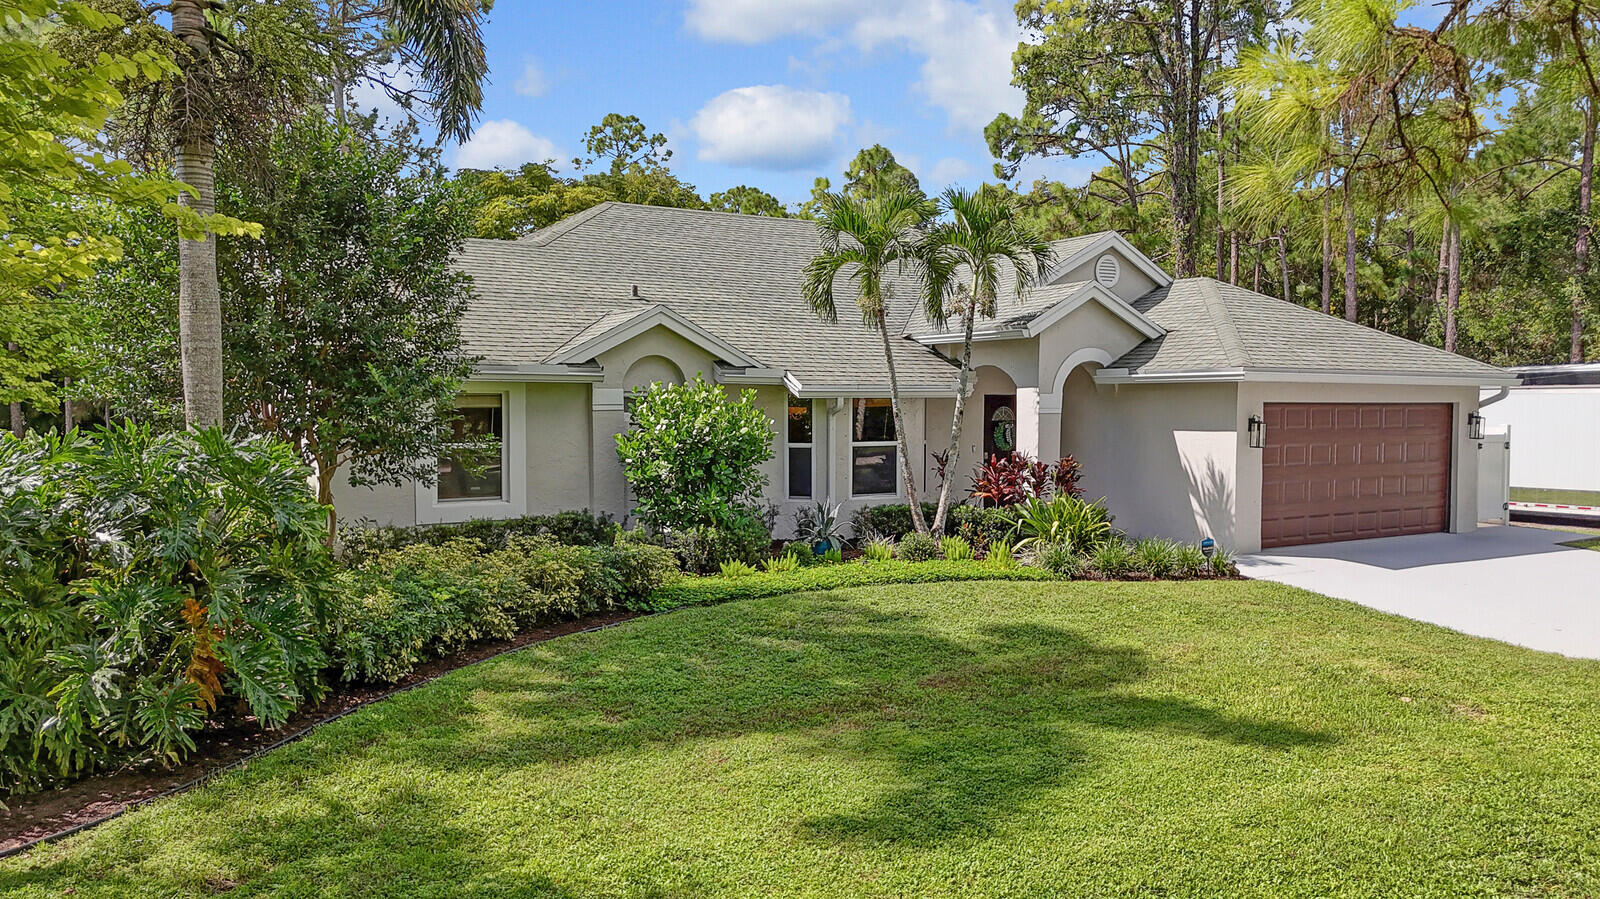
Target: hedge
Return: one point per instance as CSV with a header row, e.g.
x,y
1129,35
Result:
x,y
359,544
708,590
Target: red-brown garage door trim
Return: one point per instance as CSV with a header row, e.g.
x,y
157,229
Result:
x,y
1350,471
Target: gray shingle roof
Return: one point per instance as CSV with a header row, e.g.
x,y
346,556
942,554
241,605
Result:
x,y
1012,311
1214,326
736,276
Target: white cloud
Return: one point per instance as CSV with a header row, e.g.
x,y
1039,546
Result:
x,y
946,171
503,143
771,126
531,83
965,45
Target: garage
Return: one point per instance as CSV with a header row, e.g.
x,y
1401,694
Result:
x,y
1350,471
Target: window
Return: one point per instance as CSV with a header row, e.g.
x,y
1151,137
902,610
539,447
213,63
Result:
x,y
800,443
473,464
873,454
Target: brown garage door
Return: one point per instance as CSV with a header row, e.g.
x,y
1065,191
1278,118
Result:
x,y
1347,471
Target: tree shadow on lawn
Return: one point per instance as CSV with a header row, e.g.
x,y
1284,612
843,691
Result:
x,y
973,726
966,728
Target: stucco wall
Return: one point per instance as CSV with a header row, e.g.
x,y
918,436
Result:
x,y
1132,284
383,505
1163,456
558,435
1253,395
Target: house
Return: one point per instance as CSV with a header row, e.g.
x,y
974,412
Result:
x,y
1195,407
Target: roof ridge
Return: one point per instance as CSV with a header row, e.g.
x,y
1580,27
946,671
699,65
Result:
x,y
551,233
1222,320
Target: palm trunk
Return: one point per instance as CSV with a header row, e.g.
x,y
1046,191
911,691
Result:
x,y
957,421
325,498
917,521
1453,288
199,297
1581,245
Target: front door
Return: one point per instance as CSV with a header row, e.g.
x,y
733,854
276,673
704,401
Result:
x,y
999,424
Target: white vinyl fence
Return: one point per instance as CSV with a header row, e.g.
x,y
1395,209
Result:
x,y
1494,476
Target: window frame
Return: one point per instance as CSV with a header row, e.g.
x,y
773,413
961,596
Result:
x,y
893,444
501,408
513,499
790,401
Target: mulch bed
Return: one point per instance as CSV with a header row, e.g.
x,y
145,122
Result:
x,y
55,813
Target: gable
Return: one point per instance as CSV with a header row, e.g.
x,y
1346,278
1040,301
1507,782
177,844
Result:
x,y
1132,274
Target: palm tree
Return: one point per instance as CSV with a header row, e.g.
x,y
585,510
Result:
x,y
439,38
963,258
870,239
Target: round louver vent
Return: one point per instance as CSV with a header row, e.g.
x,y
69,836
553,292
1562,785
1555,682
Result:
x,y
1107,270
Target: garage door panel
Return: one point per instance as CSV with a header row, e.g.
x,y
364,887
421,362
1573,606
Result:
x,y
1346,471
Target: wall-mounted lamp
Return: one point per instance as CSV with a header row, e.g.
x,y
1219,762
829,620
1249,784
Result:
x,y
1474,426
1258,432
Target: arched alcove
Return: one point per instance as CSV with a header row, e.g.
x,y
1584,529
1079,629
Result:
x,y
648,370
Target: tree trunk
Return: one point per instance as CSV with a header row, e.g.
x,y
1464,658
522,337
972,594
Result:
x,y
19,424
325,473
1327,243
1453,288
917,521
199,297
1283,262
1222,229
956,422
1580,249
1233,258
1256,274
1349,248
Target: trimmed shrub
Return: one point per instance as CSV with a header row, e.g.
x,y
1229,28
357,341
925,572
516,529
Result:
x,y
956,549
743,537
406,606
358,544
696,591
916,547
149,583
892,520
800,551
979,526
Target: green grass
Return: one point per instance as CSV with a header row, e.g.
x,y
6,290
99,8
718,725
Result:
x,y
1551,495
1589,543
970,739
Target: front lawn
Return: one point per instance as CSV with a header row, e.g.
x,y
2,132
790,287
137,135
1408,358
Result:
x,y
967,739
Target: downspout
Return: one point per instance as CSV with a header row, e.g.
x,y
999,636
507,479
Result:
x,y
1504,392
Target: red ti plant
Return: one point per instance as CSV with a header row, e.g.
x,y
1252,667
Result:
x,y
1012,479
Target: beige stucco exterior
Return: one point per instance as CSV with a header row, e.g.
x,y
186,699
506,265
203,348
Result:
x,y
1172,458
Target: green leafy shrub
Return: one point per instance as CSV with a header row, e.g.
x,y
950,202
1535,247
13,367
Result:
x,y
743,536
892,520
800,551
358,544
1063,519
1000,554
833,556
915,547
780,563
1060,560
1155,557
735,568
879,549
693,456
695,591
1190,562
406,606
149,583
1112,558
956,549
979,526
1222,563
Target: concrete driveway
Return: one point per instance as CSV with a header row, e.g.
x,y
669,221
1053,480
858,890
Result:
x,y
1516,584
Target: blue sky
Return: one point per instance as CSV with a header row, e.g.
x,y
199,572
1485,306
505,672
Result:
x,y
770,93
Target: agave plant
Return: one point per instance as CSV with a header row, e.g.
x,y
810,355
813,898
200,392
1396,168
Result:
x,y
820,526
